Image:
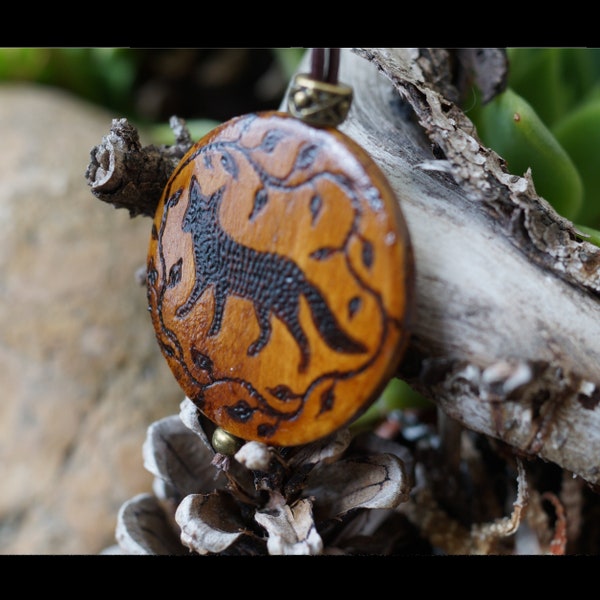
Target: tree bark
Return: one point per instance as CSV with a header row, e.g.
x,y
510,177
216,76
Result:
x,y
506,335
506,338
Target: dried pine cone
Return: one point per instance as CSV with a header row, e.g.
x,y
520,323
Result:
x,y
327,497
345,494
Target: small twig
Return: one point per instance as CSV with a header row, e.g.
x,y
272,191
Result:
x,y
483,536
123,173
571,498
559,541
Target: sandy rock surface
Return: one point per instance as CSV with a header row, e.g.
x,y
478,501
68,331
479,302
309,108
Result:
x,y
81,376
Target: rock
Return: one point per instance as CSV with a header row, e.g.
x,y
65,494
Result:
x,y
81,373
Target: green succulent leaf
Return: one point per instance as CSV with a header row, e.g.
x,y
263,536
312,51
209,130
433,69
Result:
x,y
579,134
552,80
591,235
510,126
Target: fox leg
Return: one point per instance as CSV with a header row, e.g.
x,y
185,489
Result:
x,y
292,322
220,294
263,318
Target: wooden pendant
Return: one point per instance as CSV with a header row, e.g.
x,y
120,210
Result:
x,y
280,278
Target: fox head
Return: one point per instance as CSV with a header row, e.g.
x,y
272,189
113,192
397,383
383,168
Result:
x,y
200,207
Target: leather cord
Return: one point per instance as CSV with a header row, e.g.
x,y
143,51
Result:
x,y
325,64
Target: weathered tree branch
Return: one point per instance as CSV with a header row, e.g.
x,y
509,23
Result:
x,y
506,338
507,332
123,173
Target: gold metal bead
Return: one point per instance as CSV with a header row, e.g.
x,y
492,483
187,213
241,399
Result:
x,y
317,102
225,443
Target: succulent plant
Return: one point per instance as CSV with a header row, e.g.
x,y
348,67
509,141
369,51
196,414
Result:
x,y
548,120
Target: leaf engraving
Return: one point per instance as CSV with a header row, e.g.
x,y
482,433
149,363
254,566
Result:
x,y
271,140
323,253
306,156
175,274
260,200
327,399
283,392
229,164
367,254
316,204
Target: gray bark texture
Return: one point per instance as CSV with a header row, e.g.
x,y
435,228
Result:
x,y
506,337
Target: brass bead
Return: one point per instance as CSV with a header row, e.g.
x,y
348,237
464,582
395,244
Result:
x,y
225,443
317,102
302,98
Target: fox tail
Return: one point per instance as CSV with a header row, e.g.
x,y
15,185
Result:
x,y
328,326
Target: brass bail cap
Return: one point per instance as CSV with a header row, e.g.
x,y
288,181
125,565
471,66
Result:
x,y
318,102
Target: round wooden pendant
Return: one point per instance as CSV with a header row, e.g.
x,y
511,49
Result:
x,y
280,278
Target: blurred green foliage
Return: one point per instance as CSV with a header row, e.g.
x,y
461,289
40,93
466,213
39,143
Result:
x,y
111,77
548,119
104,76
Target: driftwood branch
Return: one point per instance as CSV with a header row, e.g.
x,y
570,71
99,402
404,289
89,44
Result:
x,y
506,339
507,333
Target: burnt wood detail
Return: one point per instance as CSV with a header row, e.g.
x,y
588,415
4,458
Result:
x,y
279,278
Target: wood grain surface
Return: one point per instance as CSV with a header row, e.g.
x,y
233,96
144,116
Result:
x,y
280,278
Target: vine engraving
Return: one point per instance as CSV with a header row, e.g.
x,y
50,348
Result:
x,y
270,223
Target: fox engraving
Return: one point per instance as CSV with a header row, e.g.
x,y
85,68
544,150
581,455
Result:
x,y
272,282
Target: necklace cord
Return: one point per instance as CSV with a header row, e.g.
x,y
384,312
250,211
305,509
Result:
x,y
325,63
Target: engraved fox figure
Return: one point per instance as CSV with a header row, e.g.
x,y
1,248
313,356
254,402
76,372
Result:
x,y
272,282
